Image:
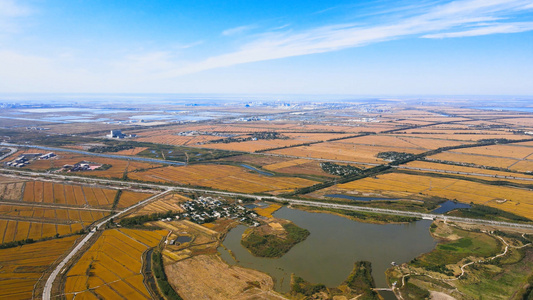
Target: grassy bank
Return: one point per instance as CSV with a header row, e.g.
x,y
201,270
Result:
x,y
273,245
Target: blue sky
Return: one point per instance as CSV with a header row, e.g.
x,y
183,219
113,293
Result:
x,y
380,47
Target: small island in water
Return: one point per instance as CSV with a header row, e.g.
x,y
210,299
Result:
x,y
273,239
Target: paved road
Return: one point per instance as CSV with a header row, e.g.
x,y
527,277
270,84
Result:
x,y
464,173
11,151
135,158
168,189
47,292
289,200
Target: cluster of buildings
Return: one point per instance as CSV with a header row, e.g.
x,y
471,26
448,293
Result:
x,y
196,133
81,166
117,134
26,158
207,209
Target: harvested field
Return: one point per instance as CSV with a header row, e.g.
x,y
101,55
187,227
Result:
x,y
11,190
514,200
133,151
23,266
111,268
480,160
221,177
208,277
5,179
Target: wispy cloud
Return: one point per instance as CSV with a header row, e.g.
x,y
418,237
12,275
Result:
x,y
238,30
485,30
459,16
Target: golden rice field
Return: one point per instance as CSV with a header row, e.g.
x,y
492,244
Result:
x,y
252,146
499,162
382,140
48,192
343,150
221,177
118,166
515,200
430,143
51,214
466,136
111,268
133,151
509,151
453,168
169,202
17,230
526,122
523,166
169,137
128,198
258,145
21,267
286,164
268,210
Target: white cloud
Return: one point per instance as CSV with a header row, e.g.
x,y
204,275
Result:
x,y
429,22
10,8
237,30
486,30
9,11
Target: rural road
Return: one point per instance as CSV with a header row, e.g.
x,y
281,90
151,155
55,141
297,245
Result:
x,y
280,199
11,151
167,189
47,292
464,173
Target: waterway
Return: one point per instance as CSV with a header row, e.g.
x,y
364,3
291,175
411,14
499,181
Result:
x,y
335,243
257,170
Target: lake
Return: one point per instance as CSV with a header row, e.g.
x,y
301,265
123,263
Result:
x,y
335,243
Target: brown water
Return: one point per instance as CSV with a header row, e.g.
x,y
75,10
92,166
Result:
x,y
335,243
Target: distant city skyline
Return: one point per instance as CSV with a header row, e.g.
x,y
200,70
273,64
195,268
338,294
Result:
x,y
381,47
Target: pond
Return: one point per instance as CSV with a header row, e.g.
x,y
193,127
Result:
x,y
335,243
448,206
183,239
